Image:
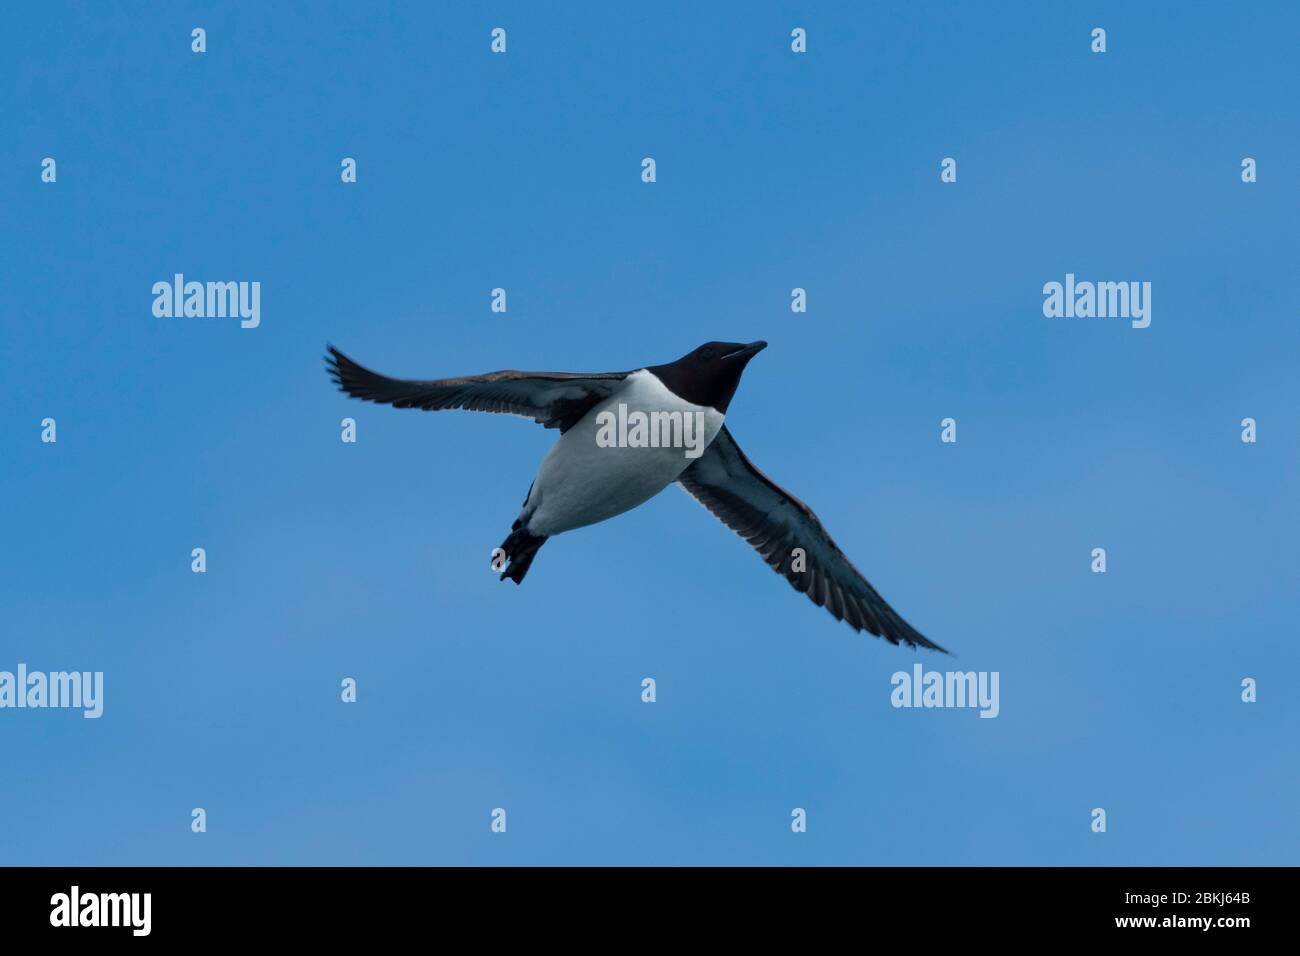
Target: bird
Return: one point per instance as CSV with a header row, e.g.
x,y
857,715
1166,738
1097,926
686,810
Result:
x,y
604,463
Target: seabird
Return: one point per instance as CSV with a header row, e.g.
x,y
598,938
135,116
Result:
x,y
584,479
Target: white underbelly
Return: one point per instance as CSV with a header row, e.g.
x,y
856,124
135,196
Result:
x,y
585,479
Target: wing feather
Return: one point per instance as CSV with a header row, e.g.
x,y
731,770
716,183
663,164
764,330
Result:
x,y
775,523
553,399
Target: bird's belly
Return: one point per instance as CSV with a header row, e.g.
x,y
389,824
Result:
x,y
605,465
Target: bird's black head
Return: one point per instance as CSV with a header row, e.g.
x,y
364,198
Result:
x,y
710,374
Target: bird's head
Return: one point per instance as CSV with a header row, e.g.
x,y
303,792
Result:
x,y
710,374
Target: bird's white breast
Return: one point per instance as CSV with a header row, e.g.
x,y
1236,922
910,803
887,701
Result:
x,y
584,479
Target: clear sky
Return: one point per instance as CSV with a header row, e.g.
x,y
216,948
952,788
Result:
x,y
775,170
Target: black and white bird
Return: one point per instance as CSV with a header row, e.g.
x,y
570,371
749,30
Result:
x,y
584,479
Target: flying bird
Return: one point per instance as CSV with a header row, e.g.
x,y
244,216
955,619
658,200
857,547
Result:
x,y
610,458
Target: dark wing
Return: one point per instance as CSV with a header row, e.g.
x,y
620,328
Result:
x,y
553,399
775,522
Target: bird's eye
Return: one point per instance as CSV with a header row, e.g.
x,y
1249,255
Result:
x,y
707,354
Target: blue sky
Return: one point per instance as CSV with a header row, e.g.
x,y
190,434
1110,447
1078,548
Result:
x,y
774,170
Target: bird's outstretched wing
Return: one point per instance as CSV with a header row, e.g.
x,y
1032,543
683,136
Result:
x,y
554,399
777,523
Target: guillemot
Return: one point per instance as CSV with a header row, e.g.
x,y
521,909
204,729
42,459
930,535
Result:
x,y
626,436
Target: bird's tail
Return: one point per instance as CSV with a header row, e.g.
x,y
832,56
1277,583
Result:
x,y
521,547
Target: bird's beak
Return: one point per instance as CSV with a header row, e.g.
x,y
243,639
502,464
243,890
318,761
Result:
x,y
746,353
